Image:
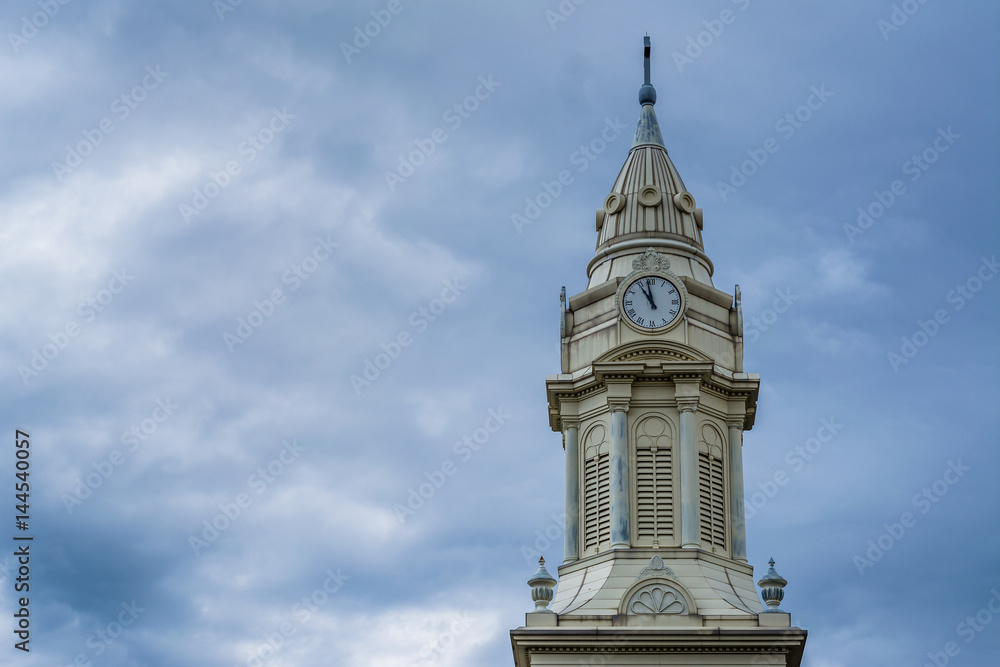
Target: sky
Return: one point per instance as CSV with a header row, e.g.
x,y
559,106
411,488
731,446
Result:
x,y
281,290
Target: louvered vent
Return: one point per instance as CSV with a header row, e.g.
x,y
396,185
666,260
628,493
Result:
x,y
604,499
596,491
654,483
711,491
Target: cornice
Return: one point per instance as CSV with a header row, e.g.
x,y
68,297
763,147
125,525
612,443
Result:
x,y
710,378
765,642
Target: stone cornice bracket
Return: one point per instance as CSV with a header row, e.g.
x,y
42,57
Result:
x,y
687,393
619,388
567,416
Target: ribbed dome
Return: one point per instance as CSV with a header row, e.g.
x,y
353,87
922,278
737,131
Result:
x,y
648,207
648,176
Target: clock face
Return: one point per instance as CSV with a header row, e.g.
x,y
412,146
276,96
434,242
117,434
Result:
x,y
651,302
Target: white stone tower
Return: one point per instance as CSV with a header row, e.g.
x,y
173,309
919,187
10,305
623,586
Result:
x,y
652,402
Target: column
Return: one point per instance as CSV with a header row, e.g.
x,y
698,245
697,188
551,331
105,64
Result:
x,y
690,528
620,534
737,522
571,548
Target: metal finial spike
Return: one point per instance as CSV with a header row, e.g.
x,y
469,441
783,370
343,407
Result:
x,y
646,58
647,94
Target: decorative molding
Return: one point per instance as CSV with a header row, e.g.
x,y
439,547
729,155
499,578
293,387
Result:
x,y
684,202
673,350
653,431
657,352
614,203
670,590
657,598
656,568
651,261
594,439
650,196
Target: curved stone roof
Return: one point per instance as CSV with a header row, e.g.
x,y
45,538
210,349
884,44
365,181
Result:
x,y
649,206
648,180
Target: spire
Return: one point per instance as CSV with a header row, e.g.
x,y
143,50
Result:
x,y
648,206
648,130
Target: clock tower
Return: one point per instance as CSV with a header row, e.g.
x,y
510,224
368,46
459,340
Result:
x,y
652,401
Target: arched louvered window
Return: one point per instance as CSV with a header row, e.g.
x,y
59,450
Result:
x,y
711,489
596,490
654,482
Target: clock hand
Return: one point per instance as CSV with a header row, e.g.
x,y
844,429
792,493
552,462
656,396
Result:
x,y
648,295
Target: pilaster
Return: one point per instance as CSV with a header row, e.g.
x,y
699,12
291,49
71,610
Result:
x,y
571,547
620,523
687,396
737,521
